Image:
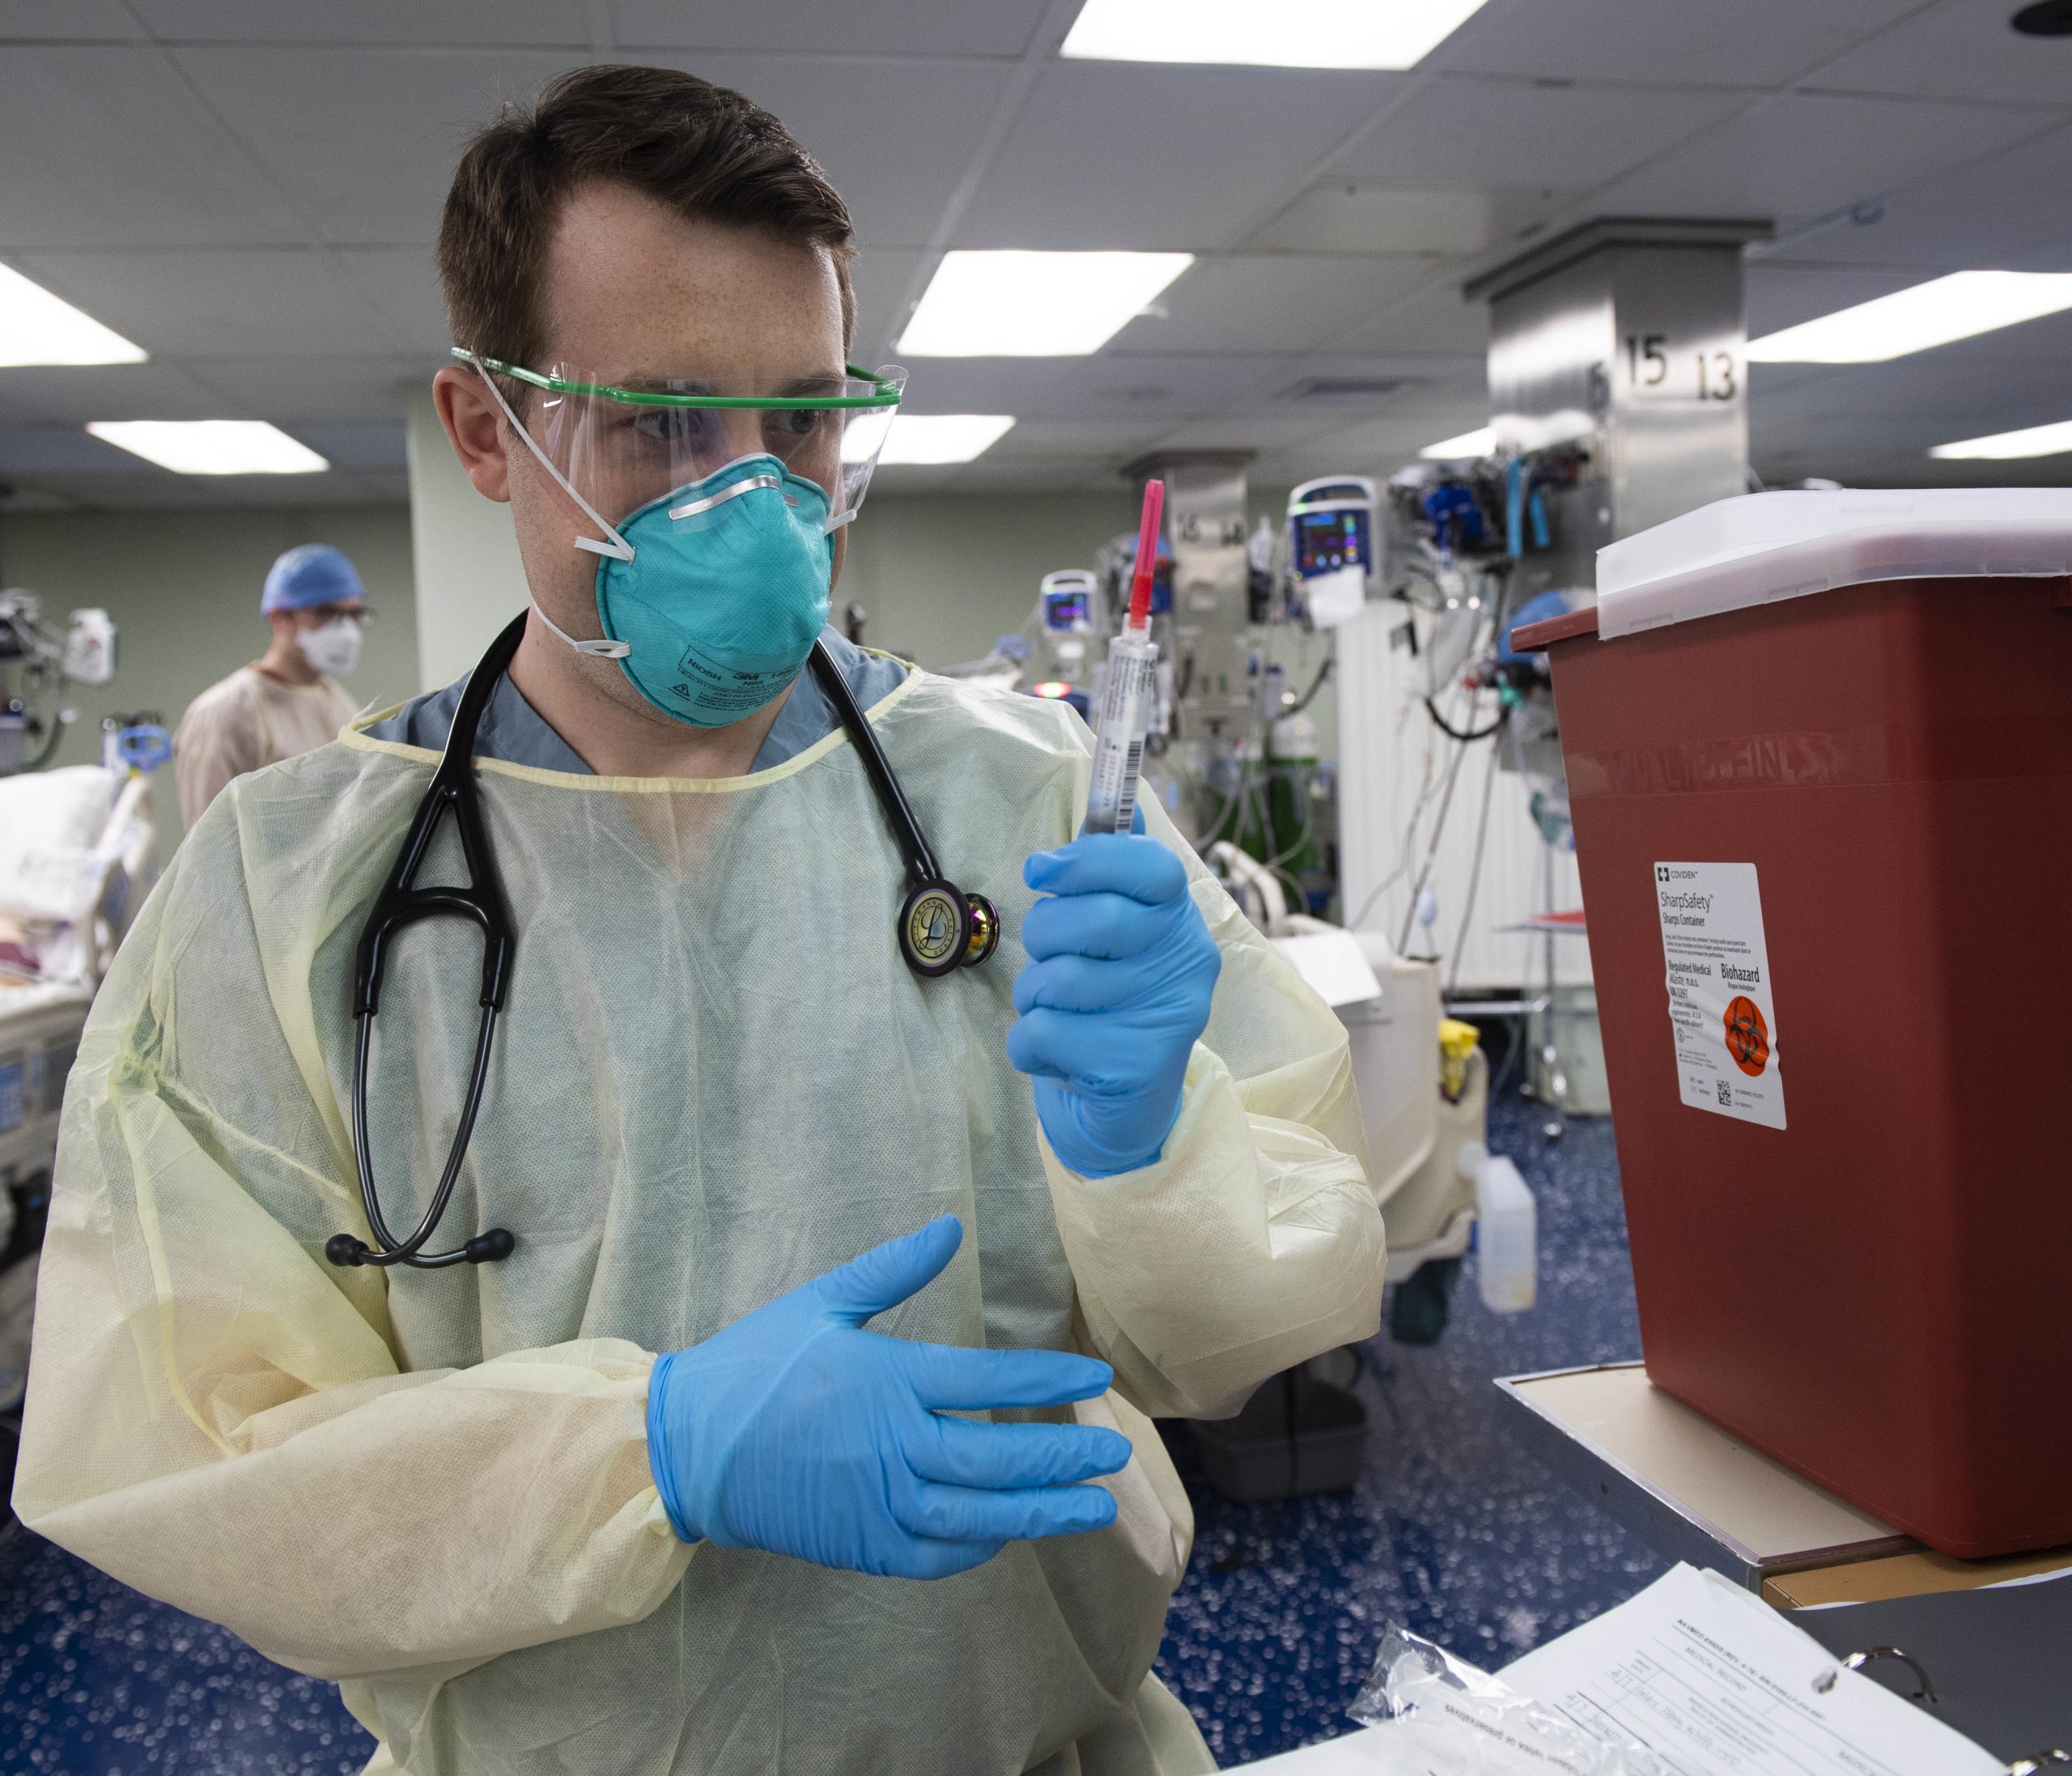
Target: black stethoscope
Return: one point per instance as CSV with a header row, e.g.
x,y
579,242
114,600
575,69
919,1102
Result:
x,y
941,929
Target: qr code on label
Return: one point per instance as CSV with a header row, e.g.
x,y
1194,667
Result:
x,y
1726,1093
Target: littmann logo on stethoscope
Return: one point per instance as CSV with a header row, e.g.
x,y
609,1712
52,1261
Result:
x,y
932,926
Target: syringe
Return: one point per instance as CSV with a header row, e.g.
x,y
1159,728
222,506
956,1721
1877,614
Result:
x,y
1127,688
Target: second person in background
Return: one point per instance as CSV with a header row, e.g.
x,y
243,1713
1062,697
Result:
x,y
288,701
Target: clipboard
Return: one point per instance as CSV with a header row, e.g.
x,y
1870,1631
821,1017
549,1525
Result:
x,y
1995,1664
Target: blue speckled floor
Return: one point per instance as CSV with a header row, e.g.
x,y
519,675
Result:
x,y
1452,1529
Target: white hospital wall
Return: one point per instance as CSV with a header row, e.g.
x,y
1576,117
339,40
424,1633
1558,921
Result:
x,y
470,582
1384,731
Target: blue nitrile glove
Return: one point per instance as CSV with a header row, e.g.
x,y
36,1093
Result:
x,y
1121,966
796,1431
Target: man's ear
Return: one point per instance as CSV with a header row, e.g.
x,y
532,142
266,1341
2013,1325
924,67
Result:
x,y
474,427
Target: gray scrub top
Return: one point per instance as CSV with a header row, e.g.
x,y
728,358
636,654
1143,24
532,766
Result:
x,y
512,730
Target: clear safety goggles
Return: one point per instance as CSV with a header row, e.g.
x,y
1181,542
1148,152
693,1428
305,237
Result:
x,y
616,447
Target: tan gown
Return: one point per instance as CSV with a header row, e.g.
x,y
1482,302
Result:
x,y
247,721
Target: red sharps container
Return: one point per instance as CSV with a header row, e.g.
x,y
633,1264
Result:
x,y
1819,757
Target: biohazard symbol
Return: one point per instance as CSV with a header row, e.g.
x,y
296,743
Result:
x,y
1748,1036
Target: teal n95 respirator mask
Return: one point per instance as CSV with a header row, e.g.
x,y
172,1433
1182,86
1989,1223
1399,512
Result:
x,y
714,585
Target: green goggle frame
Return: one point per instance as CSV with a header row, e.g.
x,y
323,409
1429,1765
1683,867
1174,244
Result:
x,y
883,394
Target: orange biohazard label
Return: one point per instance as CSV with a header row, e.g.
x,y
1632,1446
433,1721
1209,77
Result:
x,y
1723,1016
1748,1036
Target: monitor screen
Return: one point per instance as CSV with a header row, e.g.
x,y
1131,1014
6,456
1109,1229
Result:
x,y
1067,613
1328,540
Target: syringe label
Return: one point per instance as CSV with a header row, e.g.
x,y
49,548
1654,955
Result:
x,y
1126,806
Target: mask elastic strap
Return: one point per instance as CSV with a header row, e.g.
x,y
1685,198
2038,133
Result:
x,y
618,547
603,650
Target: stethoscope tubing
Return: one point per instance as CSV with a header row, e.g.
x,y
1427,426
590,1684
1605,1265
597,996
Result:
x,y
452,789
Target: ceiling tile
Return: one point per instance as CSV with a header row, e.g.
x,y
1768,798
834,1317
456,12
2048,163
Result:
x,y
1782,295
1129,390
895,137
364,141
1345,216
107,147
1414,372
72,20
1466,134
1960,49
468,23
1119,156
1040,439
1749,43
219,302
343,122
1251,432
35,450
1269,303
403,282
2013,210
78,392
1804,154
922,27
297,390
1438,322
356,447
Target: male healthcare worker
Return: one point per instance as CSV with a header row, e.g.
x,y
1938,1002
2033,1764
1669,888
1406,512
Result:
x,y
649,1495
288,701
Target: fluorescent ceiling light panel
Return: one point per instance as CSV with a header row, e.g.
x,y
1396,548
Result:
x,y
36,327
1468,443
1957,307
211,447
2004,446
1321,34
1018,305
938,437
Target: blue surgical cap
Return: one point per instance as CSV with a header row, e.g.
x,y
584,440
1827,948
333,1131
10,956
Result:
x,y
314,574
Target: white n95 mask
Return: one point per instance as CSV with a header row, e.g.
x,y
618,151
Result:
x,y
332,647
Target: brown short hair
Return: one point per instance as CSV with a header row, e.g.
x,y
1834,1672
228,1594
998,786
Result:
x,y
701,149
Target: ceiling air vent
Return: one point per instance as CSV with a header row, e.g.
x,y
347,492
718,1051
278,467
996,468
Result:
x,y
1344,390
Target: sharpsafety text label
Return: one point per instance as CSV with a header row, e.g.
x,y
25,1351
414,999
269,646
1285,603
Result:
x,y
1722,1005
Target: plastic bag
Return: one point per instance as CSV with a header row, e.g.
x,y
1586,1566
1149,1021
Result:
x,y
1471,1724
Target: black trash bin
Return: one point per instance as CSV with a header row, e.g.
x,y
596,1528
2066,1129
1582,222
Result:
x,y
1297,1436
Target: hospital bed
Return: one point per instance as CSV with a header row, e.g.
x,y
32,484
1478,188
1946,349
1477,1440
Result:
x,y
78,853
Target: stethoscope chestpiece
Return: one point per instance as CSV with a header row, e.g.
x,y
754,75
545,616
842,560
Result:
x,y
942,929
985,937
